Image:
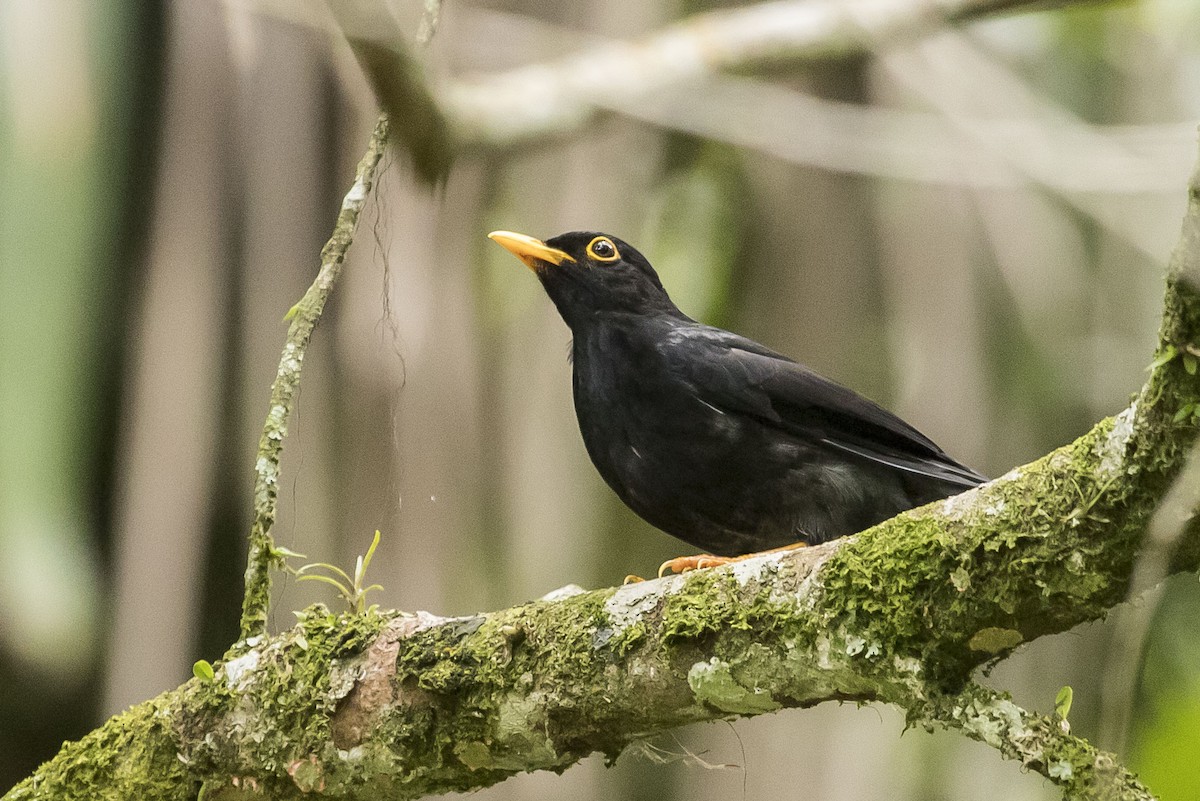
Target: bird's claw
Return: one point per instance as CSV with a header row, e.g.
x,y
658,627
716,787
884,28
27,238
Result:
x,y
682,564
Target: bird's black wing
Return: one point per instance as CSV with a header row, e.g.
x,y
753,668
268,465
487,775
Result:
x,y
733,373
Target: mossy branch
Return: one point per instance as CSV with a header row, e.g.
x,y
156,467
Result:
x,y
1039,742
304,316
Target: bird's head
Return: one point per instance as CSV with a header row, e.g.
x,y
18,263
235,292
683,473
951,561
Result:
x,y
587,273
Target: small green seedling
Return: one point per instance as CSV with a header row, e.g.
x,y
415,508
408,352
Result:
x,y
1062,706
203,670
1167,354
351,589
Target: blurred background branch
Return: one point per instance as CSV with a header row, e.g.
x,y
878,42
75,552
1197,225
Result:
x,y
562,95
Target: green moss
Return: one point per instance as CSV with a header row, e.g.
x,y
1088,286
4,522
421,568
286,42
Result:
x,y
715,602
629,638
132,756
992,640
474,754
698,609
713,684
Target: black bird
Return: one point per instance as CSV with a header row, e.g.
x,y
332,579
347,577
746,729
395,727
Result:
x,y
712,437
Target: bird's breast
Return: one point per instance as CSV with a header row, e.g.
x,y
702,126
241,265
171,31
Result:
x,y
648,432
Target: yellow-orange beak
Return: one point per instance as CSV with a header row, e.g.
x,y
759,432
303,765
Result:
x,y
529,250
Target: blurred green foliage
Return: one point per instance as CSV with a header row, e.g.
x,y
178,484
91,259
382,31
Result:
x,y
77,140
1166,731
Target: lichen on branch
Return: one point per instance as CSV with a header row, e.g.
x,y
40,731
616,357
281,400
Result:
x,y
1039,742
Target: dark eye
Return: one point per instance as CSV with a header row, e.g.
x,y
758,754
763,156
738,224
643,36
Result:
x,y
603,249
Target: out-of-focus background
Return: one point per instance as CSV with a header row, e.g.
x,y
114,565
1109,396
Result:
x,y
969,226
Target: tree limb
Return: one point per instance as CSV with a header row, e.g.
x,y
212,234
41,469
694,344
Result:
x,y
532,102
1038,742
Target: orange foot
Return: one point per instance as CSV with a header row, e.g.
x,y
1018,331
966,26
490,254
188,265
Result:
x,y
682,564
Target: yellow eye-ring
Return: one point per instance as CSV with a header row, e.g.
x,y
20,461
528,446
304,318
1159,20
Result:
x,y
602,249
